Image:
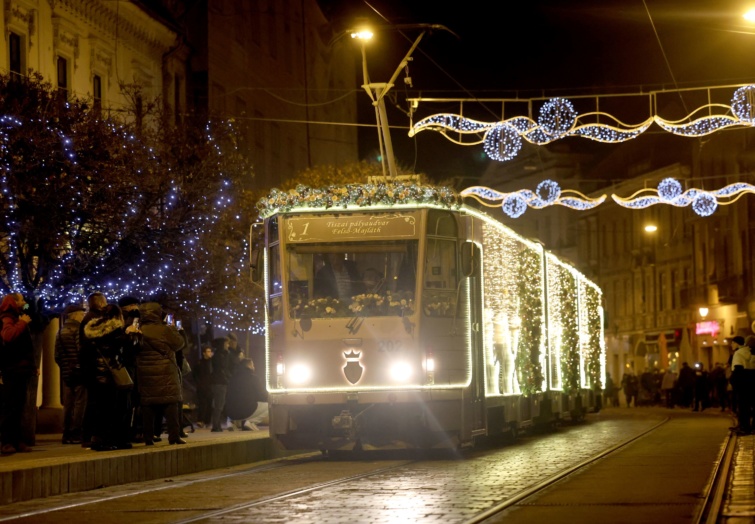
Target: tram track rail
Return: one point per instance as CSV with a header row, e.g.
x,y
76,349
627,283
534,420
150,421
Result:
x,y
557,477
713,501
99,497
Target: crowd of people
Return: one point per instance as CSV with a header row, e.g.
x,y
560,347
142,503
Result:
x,y
124,372
727,386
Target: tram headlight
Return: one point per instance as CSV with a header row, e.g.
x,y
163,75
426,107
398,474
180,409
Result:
x,y
299,374
401,371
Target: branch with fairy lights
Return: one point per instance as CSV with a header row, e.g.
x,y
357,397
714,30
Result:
x,y
559,119
95,204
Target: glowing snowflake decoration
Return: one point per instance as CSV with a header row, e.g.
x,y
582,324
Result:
x,y
741,104
669,189
557,117
502,142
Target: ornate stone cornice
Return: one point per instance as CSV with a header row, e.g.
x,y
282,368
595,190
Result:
x,y
21,14
133,27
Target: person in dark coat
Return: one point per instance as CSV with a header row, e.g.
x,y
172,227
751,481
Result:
x,y
686,384
67,352
96,302
105,339
630,385
246,395
702,388
130,307
157,371
17,368
222,368
202,372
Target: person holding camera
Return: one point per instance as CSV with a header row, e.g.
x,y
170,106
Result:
x,y
158,374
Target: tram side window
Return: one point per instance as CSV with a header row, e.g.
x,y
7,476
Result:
x,y
440,264
300,274
274,283
440,273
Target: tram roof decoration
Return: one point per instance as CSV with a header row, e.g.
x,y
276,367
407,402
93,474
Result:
x,y
390,193
558,119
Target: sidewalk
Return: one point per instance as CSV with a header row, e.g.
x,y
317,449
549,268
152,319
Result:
x,y
53,468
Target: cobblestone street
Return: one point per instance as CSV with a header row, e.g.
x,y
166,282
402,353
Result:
x,y
390,488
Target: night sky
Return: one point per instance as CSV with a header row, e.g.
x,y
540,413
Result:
x,y
541,48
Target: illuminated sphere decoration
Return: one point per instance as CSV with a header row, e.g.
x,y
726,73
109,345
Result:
x,y
742,102
669,189
704,204
502,142
548,191
514,206
557,117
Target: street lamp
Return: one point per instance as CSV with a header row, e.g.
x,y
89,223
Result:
x,y
377,91
703,312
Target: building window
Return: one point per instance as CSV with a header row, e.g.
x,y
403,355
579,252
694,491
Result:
x,y
63,77
97,91
16,53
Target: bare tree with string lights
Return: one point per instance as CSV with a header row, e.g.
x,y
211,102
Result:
x,y
97,203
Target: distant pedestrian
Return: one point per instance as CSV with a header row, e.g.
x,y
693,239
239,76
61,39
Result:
x,y
686,385
630,385
668,387
719,384
609,392
702,388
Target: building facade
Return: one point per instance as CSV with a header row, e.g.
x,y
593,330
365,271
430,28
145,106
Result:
x,y
92,49
277,69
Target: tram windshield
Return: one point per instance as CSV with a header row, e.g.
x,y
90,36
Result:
x,y
352,278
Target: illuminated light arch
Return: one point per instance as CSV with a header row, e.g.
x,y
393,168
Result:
x,y
558,119
548,193
669,191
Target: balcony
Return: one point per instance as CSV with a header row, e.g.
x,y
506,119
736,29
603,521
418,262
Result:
x,y
731,290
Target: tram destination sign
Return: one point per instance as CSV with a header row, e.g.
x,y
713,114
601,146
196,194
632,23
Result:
x,y
331,228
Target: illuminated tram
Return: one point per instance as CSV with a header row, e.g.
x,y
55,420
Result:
x,y
391,325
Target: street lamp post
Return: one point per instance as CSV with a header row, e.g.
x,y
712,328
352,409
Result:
x,y
377,91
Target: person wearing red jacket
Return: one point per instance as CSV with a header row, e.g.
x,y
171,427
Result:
x,y
17,367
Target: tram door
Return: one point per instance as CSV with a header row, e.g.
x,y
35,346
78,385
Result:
x,y
474,401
